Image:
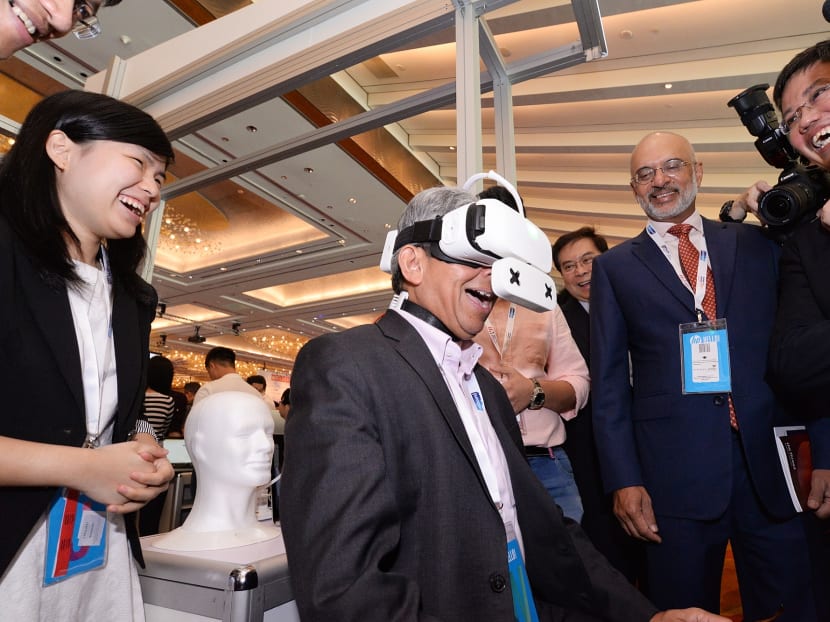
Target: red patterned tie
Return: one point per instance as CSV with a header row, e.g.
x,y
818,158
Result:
x,y
689,260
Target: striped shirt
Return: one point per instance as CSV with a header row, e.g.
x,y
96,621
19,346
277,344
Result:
x,y
159,410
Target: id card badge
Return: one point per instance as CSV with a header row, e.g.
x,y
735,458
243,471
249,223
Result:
x,y
76,537
523,606
704,357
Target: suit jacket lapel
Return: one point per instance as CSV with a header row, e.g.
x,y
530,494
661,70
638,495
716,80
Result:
x,y
722,245
51,311
416,354
128,353
656,262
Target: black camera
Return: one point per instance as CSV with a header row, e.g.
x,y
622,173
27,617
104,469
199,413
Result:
x,y
801,189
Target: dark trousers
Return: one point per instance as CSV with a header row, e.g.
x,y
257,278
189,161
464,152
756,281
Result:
x,y
771,558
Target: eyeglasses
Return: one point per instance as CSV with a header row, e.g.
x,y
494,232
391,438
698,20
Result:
x,y
586,260
86,23
819,96
670,168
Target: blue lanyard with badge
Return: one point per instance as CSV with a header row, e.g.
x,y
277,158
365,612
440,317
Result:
x,y
704,344
524,607
76,539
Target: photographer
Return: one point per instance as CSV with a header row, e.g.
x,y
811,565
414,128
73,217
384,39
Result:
x,y
799,358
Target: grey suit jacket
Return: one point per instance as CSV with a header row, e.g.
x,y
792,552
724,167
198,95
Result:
x,y
40,376
385,513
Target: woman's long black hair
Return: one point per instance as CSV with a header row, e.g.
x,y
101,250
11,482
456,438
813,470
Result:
x,y
28,192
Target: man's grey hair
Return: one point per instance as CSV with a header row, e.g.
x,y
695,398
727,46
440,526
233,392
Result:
x,y
427,205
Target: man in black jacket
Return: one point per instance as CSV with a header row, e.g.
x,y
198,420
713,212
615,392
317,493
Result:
x,y
405,481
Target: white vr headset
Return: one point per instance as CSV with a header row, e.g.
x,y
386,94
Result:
x,y
488,233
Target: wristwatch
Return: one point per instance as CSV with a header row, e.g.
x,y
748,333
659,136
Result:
x,y
726,216
537,398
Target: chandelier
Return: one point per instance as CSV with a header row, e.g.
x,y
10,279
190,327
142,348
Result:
x,y
6,143
181,235
281,346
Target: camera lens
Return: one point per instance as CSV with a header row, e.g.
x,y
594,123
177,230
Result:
x,y
784,204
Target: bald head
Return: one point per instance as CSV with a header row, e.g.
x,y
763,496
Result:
x,y
659,143
665,176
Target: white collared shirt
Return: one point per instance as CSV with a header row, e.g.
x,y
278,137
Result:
x,y
487,447
668,243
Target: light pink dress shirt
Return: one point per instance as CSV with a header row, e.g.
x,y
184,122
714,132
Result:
x,y
541,347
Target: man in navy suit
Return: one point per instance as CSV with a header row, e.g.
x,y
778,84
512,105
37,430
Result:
x,y
405,481
688,477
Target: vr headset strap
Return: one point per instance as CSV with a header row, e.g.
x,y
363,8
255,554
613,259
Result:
x,y
421,231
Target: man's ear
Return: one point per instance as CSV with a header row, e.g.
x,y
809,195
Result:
x,y
58,148
411,260
698,170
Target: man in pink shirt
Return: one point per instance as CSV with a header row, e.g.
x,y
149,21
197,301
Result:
x,y
538,363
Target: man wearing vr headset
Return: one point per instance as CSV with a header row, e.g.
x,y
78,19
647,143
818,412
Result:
x,y
405,492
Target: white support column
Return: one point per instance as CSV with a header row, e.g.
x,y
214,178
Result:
x,y
468,93
152,232
502,104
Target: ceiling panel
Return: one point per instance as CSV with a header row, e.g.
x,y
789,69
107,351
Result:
x,y
289,247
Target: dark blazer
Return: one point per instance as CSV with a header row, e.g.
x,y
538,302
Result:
x,y
625,553
580,440
799,361
40,376
679,446
385,512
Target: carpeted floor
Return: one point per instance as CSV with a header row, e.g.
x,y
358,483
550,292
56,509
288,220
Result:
x,y
730,600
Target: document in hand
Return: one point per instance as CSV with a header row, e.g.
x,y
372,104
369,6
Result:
x,y
793,445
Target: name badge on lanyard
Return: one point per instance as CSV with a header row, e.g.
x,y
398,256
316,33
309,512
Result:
x,y
76,538
704,357
523,606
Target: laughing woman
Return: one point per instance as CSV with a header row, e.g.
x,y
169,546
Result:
x,y
75,456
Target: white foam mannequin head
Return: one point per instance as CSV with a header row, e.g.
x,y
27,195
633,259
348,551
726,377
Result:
x,y
229,437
